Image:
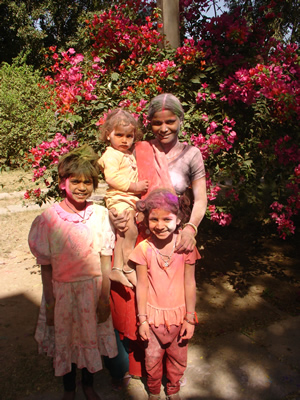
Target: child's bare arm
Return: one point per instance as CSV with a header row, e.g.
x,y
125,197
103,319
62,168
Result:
x,y
188,326
141,296
103,309
46,272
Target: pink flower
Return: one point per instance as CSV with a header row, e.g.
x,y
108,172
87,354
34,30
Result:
x,y
27,194
212,127
37,192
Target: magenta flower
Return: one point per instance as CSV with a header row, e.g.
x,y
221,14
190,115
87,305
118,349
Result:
x,y
212,127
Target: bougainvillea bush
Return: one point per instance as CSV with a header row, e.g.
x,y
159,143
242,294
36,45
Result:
x,y
239,88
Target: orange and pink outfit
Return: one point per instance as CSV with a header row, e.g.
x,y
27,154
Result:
x,y
165,314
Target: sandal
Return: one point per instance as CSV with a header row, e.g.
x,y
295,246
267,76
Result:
x,y
69,395
174,396
126,380
182,381
154,396
119,384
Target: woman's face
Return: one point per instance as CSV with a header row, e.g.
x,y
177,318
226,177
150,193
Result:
x,y
166,126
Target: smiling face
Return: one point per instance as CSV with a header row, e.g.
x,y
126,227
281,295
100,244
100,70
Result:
x,y
122,137
162,223
78,189
166,126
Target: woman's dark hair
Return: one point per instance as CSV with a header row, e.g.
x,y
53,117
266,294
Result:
x,y
165,101
80,161
119,117
165,200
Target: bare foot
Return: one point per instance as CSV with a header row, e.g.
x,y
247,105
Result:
x,y
117,275
174,396
153,396
69,395
130,274
90,393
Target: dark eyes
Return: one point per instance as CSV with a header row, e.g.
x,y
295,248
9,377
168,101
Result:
x,y
127,136
76,182
168,122
155,219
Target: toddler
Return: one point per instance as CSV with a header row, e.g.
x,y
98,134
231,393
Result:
x,y
118,164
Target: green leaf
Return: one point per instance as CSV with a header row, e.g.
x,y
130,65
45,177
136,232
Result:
x,y
115,76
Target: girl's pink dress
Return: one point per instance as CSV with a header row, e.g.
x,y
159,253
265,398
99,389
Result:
x,y
73,248
166,298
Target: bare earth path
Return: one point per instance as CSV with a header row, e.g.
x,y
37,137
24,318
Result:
x,y
245,346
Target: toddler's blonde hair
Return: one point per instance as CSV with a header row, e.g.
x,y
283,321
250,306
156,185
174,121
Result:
x,y
119,117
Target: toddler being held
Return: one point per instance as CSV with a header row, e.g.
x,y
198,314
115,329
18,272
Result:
x,y
118,164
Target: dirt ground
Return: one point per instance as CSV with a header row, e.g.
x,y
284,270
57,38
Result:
x,y
245,280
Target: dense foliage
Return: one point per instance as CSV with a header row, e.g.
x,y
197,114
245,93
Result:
x,y
28,26
286,25
24,119
238,84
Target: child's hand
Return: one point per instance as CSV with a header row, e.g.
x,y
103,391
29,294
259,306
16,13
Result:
x,y
144,331
142,186
50,314
103,311
186,331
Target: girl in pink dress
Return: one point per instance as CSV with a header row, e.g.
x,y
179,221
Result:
x,y
73,242
165,291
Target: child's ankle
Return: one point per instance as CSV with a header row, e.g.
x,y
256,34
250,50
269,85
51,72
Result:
x,y
90,393
69,395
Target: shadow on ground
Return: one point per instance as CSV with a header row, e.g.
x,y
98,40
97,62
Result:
x,y
244,348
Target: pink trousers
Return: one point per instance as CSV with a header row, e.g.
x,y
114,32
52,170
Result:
x,y
163,347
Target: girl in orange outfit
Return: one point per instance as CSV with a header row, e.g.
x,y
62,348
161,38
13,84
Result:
x,y
165,292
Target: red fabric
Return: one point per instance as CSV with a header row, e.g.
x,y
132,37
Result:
x,y
137,358
124,320
123,310
153,166
164,343
122,298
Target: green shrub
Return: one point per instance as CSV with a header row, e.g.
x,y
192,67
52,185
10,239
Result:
x,y
24,118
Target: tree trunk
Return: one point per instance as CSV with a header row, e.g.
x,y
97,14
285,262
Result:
x,y
170,20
